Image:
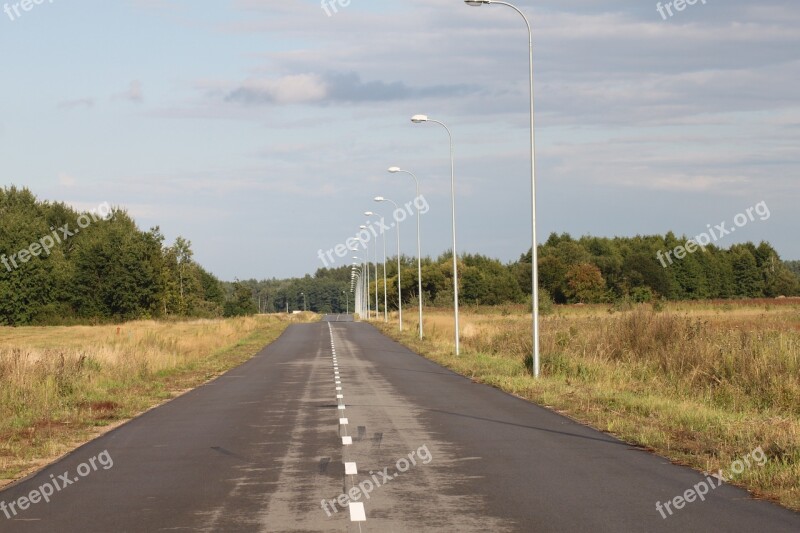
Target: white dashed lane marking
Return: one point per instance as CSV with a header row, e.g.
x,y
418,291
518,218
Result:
x,y
357,511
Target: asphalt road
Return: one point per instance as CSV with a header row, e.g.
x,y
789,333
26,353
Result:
x,y
409,446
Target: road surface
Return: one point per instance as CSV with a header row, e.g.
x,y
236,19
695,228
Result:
x,y
408,446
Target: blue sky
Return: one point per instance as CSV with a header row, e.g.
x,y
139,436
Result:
x,y
261,130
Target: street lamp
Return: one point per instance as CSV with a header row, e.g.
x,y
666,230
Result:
x,y
395,170
347,302
305,307
385,297
418,119
399,289
375,255
361,279
365,243
356,285
534,251
360,268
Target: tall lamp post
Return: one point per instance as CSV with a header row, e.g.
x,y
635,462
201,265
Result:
x,y
356,285
394,170
347,302
364,307
375,255
399,288
305,306
356,282
418,119
355,289
365,243
534,251
385,297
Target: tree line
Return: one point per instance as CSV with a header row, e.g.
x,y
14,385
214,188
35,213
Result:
x,y
60,266
584,270
596,269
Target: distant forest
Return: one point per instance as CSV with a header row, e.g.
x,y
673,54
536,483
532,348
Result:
x,y
585,270
62,266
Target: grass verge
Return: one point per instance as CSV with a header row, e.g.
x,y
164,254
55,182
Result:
x,y
62,386
703,385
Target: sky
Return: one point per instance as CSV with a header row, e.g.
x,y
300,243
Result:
x,y
261,130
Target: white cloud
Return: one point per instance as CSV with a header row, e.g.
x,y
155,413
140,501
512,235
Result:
x,y
292,89
133,94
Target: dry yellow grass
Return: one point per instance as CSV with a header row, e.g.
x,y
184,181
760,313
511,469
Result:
x,y
702,383
59,384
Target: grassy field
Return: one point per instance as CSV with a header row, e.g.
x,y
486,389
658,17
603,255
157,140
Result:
x,y
60,386
703,383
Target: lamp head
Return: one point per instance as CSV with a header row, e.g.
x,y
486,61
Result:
x,y
416,119
394,170
380,199
477,3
